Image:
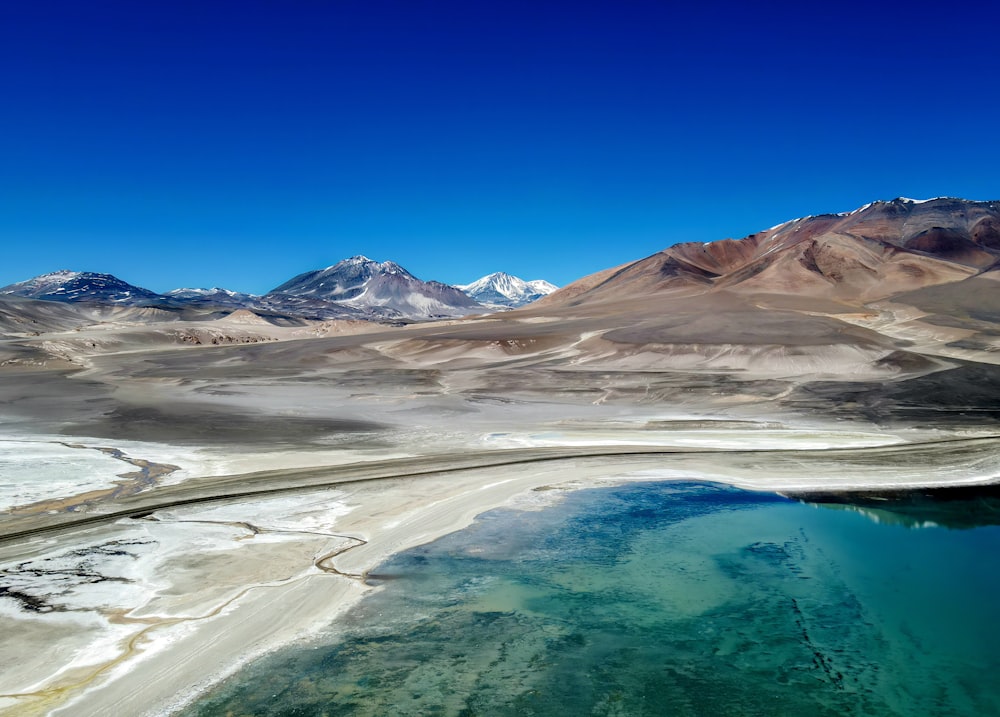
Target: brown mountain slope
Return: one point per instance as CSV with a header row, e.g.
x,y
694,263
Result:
x,y
874,252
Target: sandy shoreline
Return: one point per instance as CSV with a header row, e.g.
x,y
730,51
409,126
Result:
x,y
226,580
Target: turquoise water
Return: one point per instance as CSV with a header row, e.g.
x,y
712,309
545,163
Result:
x,y
662,599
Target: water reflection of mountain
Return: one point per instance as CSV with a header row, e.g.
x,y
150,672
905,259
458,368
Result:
x,y
957,508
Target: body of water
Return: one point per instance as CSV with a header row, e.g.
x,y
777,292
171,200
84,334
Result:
x,y
663,599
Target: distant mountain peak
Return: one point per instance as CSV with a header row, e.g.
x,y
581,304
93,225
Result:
x,y
503,290
361,263
65,274
499,277
80,286
187,292
385,288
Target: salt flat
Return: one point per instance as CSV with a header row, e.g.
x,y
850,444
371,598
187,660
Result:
x,y
134,599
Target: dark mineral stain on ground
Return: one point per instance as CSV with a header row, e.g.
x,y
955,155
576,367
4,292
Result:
x,y
188,423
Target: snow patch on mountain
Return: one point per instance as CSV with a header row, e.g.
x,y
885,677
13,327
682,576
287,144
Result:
x,y
919,201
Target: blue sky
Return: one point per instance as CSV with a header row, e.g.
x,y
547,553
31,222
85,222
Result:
x,y
238,144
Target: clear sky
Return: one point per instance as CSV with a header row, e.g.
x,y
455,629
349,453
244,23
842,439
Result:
x,y
237,144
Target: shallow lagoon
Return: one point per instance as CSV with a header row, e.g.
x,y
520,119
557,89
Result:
x,y
663,599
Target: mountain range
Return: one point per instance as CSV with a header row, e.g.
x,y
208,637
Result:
x,y
941,255
355,288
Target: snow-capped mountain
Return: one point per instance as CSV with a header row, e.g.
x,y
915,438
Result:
x,y
203,293
501,290
385,289
81,286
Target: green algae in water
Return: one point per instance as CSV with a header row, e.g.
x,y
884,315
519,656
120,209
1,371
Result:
x,y
658,599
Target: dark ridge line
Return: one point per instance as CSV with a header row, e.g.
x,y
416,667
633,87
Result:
x,y
146,509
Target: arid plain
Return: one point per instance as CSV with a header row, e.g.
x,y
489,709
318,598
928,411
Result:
x,y
216,487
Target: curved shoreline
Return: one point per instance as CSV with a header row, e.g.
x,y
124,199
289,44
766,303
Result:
x,y
396,505
213,489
